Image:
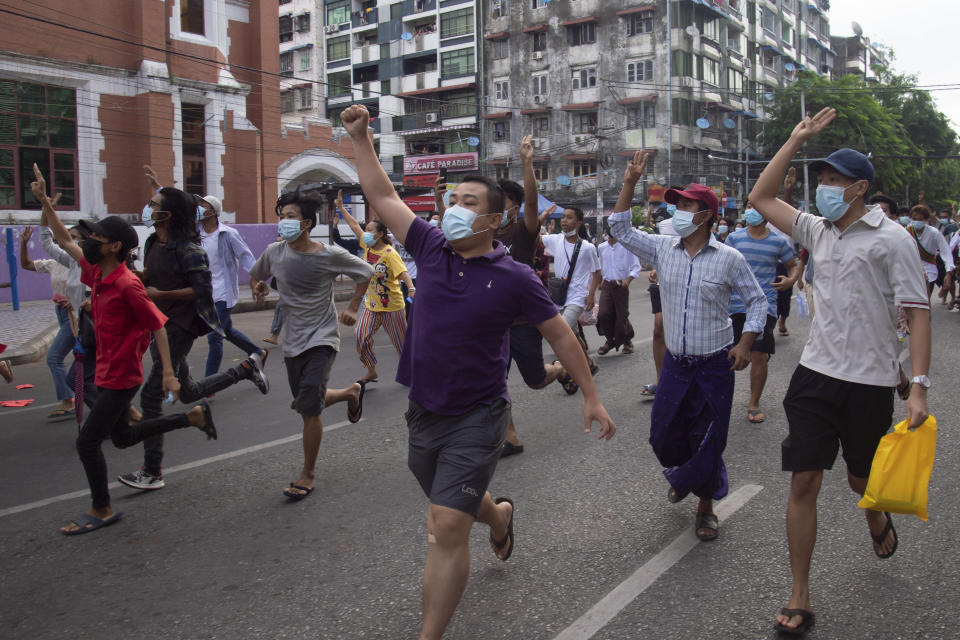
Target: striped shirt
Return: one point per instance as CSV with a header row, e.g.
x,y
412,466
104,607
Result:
x,y
695,292
762,255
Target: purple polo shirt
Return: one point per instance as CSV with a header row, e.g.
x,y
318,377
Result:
x,y
457,346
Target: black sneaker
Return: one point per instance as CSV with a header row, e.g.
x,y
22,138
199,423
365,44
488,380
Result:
x,y
257,374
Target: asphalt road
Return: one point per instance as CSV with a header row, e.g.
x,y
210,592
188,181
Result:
x,y
600,553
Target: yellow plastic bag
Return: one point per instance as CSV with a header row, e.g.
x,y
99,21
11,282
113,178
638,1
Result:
x,y
900,474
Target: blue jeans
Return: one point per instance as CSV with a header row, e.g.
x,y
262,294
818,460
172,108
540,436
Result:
x,y
215,340
277,323
62,345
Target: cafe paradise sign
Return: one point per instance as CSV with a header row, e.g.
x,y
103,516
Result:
x,y
433,164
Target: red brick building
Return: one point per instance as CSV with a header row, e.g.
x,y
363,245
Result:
x,y
91,91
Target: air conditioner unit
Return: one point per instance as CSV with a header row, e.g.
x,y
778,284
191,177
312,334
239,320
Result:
x,y
539,99
538,55
432,117
332,28
687,81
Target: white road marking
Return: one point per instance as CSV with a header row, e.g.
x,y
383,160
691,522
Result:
x,y
600,614
9,511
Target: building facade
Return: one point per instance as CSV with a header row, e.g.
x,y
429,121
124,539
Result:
x,y
190,87
596,80
857,55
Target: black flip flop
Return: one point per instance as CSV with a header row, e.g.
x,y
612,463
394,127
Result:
x,y
707,521
88,523
499,544
807,620
673,497
208,427
296,497
359,414
883,536
510,449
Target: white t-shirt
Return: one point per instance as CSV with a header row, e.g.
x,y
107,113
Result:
x,y
665,227
557,246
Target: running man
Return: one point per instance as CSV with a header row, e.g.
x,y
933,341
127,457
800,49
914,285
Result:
x,y
227,253
841,394
177,277
305,271
697,275
470,293
124,319
764,251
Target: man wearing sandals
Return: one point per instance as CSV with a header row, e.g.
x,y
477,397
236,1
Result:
x,y
124,319
841,393
470,291
697,275
305,271
618,268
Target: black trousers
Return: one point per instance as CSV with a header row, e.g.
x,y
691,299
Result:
x,y
109,418
151,398
612,317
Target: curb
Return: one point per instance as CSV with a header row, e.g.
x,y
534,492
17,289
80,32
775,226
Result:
x,y
36,348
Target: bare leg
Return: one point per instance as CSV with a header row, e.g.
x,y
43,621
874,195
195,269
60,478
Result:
x,y
876,520
512,436
446,569
659,343
801,538
351,394
554,371
312,436
758,378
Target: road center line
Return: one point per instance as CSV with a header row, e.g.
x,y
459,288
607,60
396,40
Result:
x,y
9,511
600,614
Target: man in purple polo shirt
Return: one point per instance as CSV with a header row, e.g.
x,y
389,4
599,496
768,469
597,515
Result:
x,y
469,293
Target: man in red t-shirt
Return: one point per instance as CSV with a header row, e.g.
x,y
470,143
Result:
x,y
123,318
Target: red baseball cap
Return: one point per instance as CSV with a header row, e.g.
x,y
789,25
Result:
x,y
694,191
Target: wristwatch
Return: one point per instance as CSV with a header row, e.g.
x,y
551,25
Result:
x,y
923,381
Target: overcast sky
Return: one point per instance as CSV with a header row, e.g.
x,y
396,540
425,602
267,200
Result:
x,y
922,34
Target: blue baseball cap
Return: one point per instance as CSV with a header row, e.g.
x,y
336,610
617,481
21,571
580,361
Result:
x,y
849,162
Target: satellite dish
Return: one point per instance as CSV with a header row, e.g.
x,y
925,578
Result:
x,y
729,123
406,35
473,141
857,29
564,180
768,96
789,66
692,31
703,123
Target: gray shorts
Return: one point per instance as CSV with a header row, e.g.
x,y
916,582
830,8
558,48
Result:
x,y
571,315
454,457
308,373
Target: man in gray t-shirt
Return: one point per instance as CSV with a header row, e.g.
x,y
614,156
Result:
x,y
305,271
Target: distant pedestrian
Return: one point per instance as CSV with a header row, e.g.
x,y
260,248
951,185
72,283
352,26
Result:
x,y
930,243
618,268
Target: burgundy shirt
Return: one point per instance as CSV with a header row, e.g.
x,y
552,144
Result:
x,y
123,319
457,347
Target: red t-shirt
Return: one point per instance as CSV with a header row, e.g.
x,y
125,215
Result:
x,y
123,318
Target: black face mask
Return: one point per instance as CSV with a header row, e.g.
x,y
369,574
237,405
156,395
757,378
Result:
x,y
91,250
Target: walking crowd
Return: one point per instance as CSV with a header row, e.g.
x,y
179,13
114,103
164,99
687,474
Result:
x,y
475,280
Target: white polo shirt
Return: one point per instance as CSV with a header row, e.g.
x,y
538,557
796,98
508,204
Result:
x,y
863,274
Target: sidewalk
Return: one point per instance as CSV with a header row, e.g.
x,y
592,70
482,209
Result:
x,y
29,332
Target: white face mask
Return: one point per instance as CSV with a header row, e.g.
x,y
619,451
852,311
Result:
x,y
570,234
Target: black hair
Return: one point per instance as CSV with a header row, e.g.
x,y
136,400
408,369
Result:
x,y
512,190
382,229
494,192
582,230
728,221
182,225
308,206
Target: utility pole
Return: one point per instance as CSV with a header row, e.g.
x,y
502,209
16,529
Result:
x,y
669,99
806,170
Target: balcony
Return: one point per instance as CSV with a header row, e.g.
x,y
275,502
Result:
x,y
420,43
366,90
365,19
366,53
417,81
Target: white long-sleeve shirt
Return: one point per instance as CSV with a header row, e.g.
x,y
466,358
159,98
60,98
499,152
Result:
x,y
617,262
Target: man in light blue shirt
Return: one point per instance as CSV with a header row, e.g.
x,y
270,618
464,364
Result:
x,y
697,275
764,251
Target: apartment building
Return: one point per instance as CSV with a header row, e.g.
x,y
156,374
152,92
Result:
x,y
596,80
857,55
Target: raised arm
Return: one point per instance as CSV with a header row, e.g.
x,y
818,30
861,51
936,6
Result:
x,y
25,261
60,232
764,193
631,176
531,195
351,221
439,188
151,176
377,188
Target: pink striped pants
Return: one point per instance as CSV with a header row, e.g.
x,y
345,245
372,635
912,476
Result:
x,y
393,322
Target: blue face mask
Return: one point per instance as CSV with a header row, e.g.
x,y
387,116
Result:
x,y
199,212
368,239
505,220
918,225
830,201
289,230
904,220
147,216
458,222
434,223
683,223
753,217
671,210
722,229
